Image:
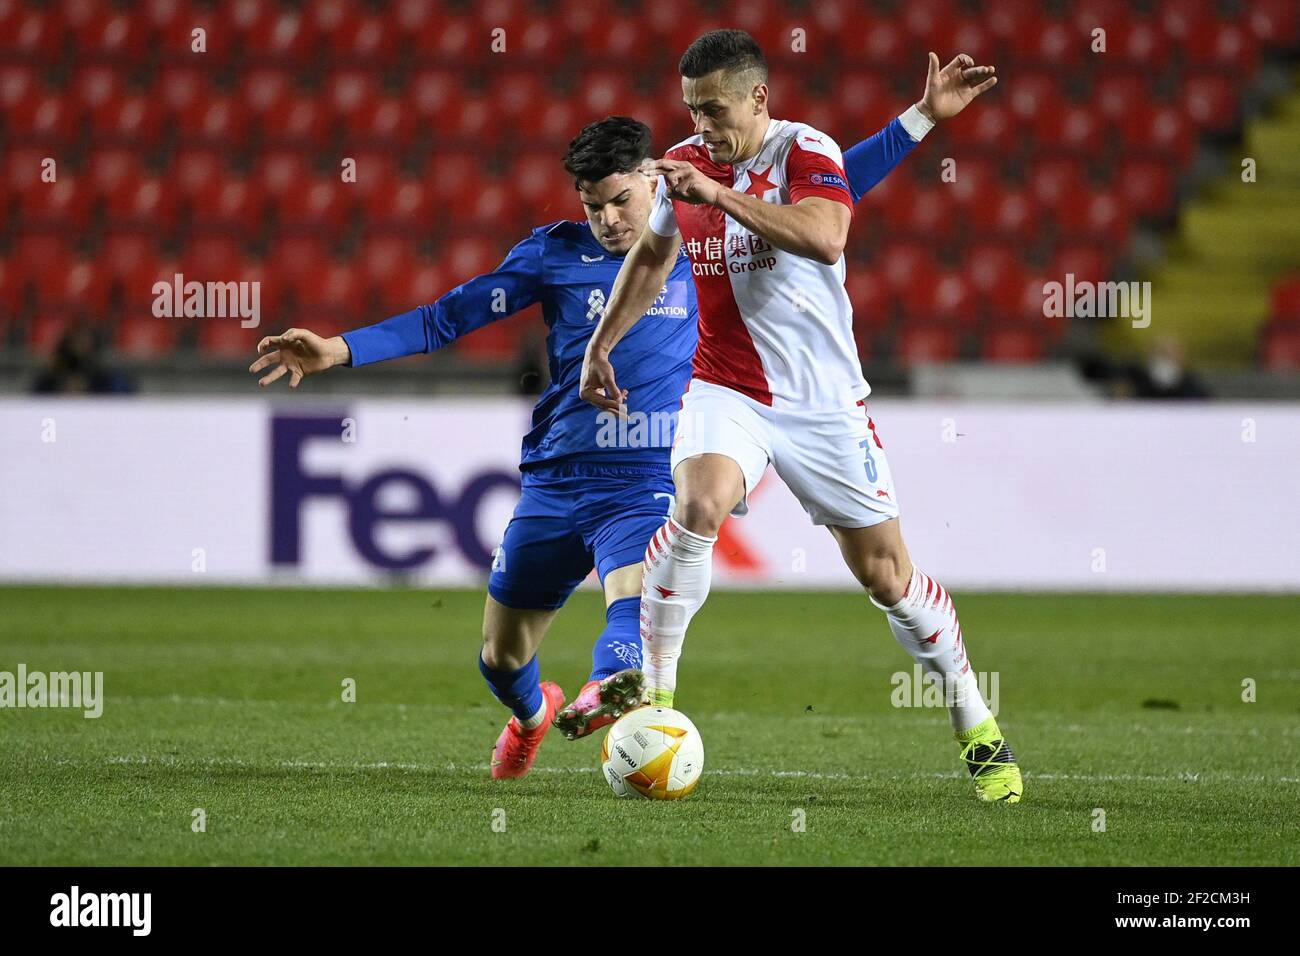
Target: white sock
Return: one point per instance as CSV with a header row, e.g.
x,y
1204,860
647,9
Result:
x,y
677,569
535,721
925,623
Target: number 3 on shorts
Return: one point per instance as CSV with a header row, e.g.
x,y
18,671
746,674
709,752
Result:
x,y
870,463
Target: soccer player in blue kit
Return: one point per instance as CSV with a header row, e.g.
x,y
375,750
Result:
x,y
594,489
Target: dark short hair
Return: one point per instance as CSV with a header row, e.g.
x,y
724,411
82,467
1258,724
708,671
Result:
x,y
616,144
732,51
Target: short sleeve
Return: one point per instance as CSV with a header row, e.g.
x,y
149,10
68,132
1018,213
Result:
x,y
663,218
815,167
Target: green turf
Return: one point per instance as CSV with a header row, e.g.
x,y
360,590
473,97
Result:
x,y
229,700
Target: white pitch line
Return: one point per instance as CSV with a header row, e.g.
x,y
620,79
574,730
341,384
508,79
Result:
x,y
1186,777
1073,727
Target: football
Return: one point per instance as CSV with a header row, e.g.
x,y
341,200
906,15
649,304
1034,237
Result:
x,y
654,753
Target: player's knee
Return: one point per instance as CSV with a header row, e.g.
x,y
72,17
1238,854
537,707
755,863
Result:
x,y
882,576
701,512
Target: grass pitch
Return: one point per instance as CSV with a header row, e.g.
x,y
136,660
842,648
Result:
x,y
230,701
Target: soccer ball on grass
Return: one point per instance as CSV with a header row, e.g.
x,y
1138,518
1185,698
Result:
x,y
653,753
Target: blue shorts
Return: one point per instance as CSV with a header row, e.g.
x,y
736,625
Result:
x,y
571,518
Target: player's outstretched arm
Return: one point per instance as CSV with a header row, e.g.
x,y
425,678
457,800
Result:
x,y
947,93
511,286
644,271
298,353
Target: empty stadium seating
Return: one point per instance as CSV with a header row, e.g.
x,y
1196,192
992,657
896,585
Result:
x,y
226,164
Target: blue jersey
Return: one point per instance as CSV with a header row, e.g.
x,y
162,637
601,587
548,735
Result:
x,y
571,274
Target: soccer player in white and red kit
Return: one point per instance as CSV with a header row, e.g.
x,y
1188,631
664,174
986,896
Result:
x,y
764,209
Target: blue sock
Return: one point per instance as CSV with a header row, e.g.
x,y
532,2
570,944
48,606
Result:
x,y
519,690
619,645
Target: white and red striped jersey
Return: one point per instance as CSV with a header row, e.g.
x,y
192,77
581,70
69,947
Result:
x,y
773,325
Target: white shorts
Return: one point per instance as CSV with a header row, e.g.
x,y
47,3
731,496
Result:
x,y
831,459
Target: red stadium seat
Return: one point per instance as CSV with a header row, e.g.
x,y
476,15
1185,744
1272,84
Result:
x,y
1012,18
82,286
1275,22
879,41
1086,261
1286,299
1181,18
115,34
211,259
369,38
991,127
145,336
539,38
149,202
1141,43
1159,130
870,298
228,204
1055,42
279,171
62,206
294,259
1223,44
971,36
930,212
126,255
949,299
406,203
923,342
334,286
1031,95
1013,342
1011,213
1117,93
907,265
284,36
432,93
128,120
31,34
421,286
1098,214
46,118
383,122
1280,348
995,275
1211,100
1147,186
45,330
227,338
1055,180
193,170
1073,129
181,87
218,120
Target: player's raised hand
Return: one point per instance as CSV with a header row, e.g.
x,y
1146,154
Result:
x,y
298,353
598,385
686,183
948,91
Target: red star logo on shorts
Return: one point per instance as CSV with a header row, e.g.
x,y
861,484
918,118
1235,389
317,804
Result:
x,y
759,184
665,592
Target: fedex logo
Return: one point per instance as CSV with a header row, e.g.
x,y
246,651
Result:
x,y
292,486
